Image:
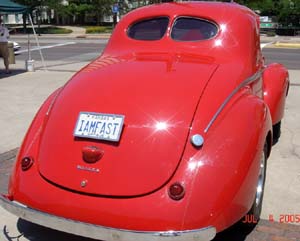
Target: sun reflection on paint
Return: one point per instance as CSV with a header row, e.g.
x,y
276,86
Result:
x,y
223,27
193,165
161,126
218,43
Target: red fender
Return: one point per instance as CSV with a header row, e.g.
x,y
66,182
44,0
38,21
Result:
x,y
30,142
223,173
276,84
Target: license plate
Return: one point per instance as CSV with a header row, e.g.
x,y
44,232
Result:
x,y
99,126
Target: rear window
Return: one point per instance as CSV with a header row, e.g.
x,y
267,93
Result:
x,y
193,29
149,29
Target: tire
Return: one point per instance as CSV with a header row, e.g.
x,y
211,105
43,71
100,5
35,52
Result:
x,y
276,132
255,210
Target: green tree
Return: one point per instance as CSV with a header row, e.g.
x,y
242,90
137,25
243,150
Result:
x,y
77,11
289,14
286,11
102,8
60,10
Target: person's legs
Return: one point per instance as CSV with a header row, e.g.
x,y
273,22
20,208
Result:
x,y
1,51
5,55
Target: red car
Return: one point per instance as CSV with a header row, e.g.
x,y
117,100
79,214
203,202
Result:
x,y
164,137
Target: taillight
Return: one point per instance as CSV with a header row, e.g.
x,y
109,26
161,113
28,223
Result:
x,y
92,154
26,163
9,197
176,191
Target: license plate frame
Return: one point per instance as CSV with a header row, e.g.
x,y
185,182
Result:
x,y
99,126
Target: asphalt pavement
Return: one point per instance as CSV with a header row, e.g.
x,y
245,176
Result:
x,y
21,94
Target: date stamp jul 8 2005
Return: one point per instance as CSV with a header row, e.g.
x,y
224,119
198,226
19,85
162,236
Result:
x,y
282,218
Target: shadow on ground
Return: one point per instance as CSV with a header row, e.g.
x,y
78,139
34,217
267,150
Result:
x,y
34,232
51,67
237,232
13,72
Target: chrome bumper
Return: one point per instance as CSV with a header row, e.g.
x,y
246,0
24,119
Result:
x,y
100,232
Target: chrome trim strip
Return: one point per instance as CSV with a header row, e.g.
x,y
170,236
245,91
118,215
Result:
x,y
247,81
101,232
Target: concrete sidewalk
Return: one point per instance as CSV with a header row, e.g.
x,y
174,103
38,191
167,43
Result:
x,y
22,93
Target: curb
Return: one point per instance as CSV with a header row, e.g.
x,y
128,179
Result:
x,y
94,36
288,45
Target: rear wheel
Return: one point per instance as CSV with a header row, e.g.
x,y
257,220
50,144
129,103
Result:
x,y
276,132
255,210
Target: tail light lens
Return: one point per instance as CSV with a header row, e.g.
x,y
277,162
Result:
x,y
9,197
26,163
92,154
176,191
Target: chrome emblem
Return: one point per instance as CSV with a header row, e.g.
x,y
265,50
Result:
x,y
89,169
83,183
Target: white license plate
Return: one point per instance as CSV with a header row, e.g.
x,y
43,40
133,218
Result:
x,y
99,126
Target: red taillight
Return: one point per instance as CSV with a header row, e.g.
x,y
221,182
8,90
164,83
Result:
x,y
176,191
92,154
9,197
26,163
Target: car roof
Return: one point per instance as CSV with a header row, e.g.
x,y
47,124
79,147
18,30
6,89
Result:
x,y
238,36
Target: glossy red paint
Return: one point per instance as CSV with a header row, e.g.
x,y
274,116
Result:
x,y
276,84
130,165
168,91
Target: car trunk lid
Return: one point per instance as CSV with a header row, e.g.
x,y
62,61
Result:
x,y
156,94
